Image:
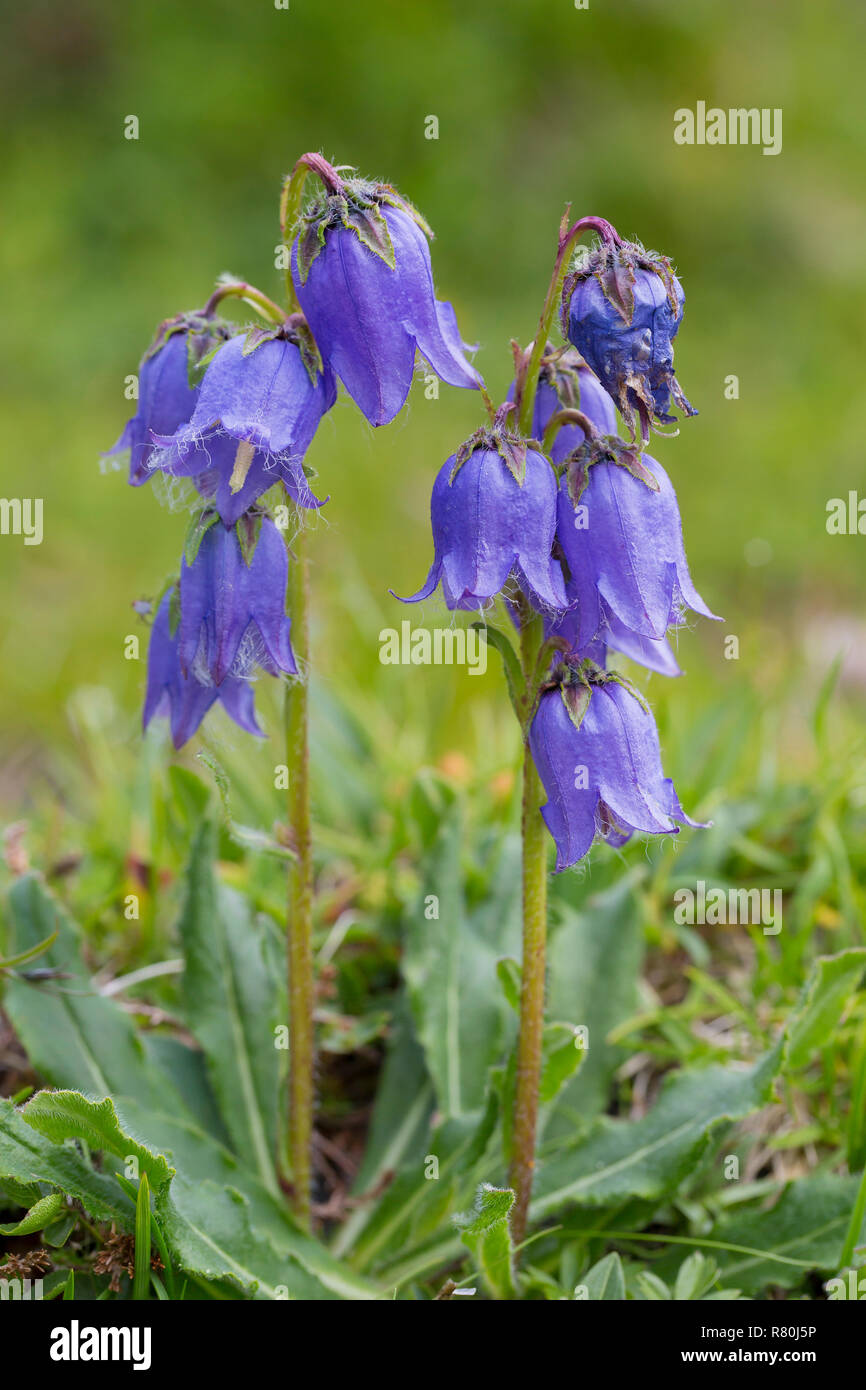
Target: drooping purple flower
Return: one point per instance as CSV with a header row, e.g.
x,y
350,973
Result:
x,y
235,486
622,310
566,383
182,697
653,653
596,748
362,272
233,601
493,514
258,408
166,399
619,529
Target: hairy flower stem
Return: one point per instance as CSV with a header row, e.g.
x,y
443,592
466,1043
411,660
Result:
x,y
292,197
241,290
527,376
300,892
534,893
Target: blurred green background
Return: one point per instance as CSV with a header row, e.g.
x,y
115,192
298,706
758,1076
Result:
x,y
538,105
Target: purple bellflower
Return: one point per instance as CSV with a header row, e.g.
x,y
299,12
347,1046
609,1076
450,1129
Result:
x,y
596,748
362,273
621,309
182,697
166,396
653,653
260,404
566,383
233,601
493,514
619,529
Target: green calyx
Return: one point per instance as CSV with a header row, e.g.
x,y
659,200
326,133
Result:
x,y
614,268
560,369
295,330
605,448
358,208
248,529
576,681
196,532
205,335
496,439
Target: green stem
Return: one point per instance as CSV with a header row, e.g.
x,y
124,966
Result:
x,y
527,380
290,203
241,290
559,419
300,892
534,895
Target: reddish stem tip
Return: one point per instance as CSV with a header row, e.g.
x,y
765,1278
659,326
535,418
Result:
x,y
317,164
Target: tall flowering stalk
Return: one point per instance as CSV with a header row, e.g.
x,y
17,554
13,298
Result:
x,y
577,530
235,410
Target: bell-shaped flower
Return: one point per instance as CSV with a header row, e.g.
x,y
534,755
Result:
x,y
654,653
259,406
233,601
493,514
619,530
181,695
596,748
362,273
566,383
166,396
622,310
234,484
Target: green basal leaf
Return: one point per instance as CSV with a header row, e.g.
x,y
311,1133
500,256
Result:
x,y
62,1115
510,974
595,954
234,1004
30,954
806,1225
27,1156
561,1057
76,1039
462,1020
617,1160
57,1234
605,1282
213,1232
40,1215
486,1232
828,991
20,1194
